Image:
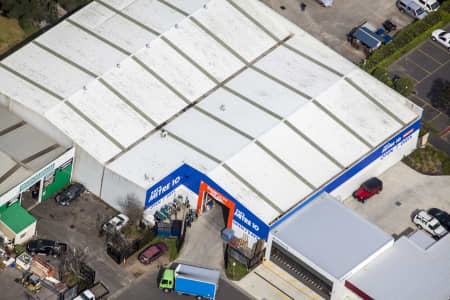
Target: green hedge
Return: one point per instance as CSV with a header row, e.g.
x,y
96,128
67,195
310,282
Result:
x,y
408,38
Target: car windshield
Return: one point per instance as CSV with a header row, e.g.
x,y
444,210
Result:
x,y
420,11
366,188
434,226
435,5
442,34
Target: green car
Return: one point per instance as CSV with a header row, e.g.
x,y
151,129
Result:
x,y
167,281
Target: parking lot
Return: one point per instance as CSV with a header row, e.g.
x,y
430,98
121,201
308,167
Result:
x,y
78,226
332,24
404,191
429,66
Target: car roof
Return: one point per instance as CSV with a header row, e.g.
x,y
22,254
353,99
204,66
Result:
x,y
425,215
150,251
372,182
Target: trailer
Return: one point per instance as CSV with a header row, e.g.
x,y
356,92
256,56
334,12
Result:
x,y
191,280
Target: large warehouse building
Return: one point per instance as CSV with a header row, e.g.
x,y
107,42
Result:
x,y
218,99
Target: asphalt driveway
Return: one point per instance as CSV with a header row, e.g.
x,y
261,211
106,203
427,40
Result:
x,y
404,190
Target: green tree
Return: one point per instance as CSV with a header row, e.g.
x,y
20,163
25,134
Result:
x,y
404,86
382,75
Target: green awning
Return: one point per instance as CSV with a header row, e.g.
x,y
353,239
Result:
x,y
16,218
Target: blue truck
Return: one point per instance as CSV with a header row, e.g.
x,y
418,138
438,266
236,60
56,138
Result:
x,y
191,280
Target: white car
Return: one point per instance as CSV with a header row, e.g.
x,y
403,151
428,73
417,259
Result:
x,y
442,37
116,223
430,224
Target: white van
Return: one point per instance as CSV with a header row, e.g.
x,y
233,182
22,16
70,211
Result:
x,y
428,5
412,8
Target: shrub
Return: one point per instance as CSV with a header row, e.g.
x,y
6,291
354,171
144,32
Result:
x,y
404,86
382,75
401,42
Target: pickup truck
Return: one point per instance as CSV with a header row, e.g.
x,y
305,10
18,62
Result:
x,y
96,292
191,280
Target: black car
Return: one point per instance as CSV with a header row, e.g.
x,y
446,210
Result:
x,y
442,216
47,247
70,193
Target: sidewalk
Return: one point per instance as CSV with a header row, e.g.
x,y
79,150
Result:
x,y
270,282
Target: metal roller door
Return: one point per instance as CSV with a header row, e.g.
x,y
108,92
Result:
x,y
301,271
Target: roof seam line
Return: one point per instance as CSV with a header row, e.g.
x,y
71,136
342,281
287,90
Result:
x,y
251,102
128,18
128,102
160,79
70,62
193,62
284,164
252,188
98,37
40,153
279,81
10,172
312,143
186,143
360,138
32,82
253,20
93,124
312,60
215,37
377,103
224,123
174,7
12,128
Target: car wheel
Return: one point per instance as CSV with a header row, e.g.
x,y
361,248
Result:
x,y
436,237
166,290
419,226
433,38
402,10
199,297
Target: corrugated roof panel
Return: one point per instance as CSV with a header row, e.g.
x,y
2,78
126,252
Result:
x,y
14,179
264,15
332,236
7,119
6,163
328,134
175,70
82,133
228,24
47,70
24,142
81,48
207,134
235,111
144,91
308,45
391,99
266,92
243,194
157,157
358,112
26,93
297,71
118,4
44,159
204,50
299,154
268,176
113,27
188,7
154,14
112,114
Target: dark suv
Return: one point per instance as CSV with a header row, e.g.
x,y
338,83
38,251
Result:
x,y
70,193
368,189
47,247
442,216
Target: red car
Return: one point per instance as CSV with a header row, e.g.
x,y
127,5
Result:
x,y
368,189
152,253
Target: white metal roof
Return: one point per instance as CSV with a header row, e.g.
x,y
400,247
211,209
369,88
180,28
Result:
x,y
332,236
23,150
236,86
425,273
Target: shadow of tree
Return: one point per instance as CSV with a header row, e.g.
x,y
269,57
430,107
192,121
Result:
x,y
435,90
